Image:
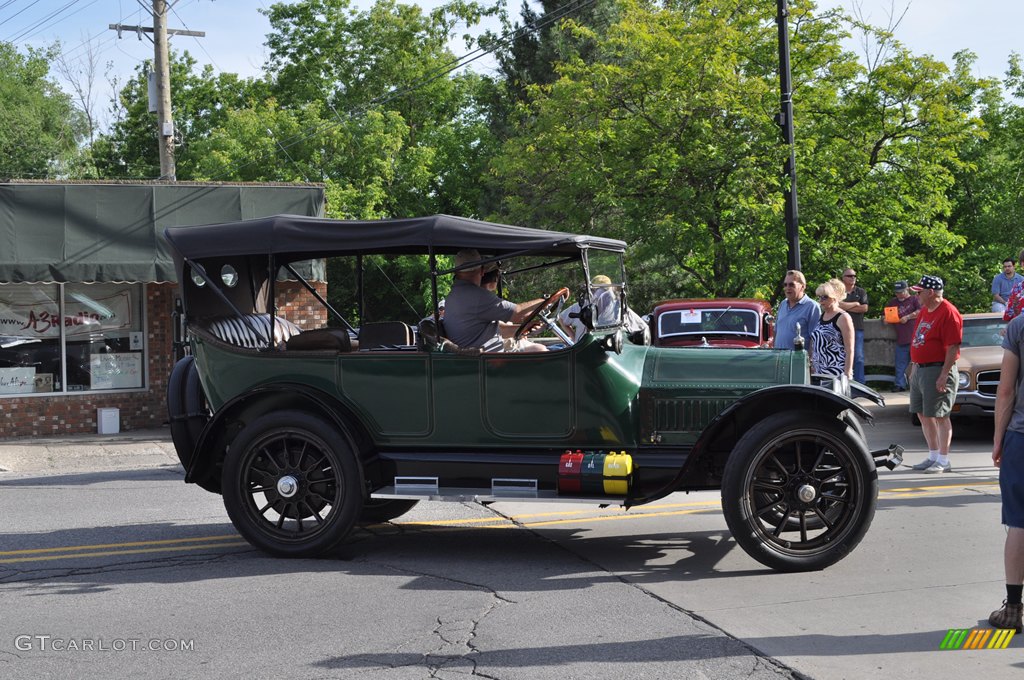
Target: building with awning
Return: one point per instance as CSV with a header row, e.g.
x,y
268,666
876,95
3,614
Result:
x,y
88,291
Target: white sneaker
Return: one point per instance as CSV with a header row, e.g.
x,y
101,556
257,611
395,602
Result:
x,y
937,468
924,464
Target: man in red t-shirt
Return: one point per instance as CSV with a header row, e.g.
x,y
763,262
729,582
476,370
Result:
x,y
933,381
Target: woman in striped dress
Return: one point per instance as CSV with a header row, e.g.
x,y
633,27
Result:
x,y
831,341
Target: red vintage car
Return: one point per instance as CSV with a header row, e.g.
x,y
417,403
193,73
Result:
x,y
721,322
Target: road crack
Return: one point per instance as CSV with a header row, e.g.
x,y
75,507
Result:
x,y
456,635
770,663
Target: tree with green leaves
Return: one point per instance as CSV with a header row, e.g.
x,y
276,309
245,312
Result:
x,y
666,139
200,100
988,194
40,129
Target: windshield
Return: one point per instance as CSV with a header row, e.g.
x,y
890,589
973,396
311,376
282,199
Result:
x,y
718,321
983,332
606,287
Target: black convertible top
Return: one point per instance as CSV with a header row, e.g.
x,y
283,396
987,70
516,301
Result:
x,y
297,238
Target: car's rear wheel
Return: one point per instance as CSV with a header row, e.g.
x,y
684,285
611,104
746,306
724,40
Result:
x,y
291,485
799,491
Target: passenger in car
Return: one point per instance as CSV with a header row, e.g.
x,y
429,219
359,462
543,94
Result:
x,y
606,303
473,313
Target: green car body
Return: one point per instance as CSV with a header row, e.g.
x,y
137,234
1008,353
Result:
x,y
400,423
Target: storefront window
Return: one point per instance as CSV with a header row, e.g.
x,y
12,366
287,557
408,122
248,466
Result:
x,y
29,338
99,325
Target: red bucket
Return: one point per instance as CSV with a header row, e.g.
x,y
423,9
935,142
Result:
x,y
570,467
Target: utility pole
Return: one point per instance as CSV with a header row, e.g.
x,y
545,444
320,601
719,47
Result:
x,y
164,115
162,69
785,121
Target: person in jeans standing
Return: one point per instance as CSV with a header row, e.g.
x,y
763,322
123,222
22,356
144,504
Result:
x,y
1008,456
933,380
907,307
856,303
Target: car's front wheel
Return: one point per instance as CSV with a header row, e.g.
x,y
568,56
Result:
x,y
291,485
799,491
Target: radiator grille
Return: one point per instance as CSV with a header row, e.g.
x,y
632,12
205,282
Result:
x,y
988,382
686,415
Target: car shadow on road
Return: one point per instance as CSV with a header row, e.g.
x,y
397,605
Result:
x,y
142,474
626,653
94,559
810,644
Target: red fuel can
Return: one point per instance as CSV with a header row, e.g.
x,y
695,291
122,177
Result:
x,y
569,469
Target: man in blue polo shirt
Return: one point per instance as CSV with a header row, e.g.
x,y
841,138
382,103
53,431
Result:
x,y
1003,283
796,308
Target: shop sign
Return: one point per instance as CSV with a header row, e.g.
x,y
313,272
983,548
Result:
x,y
82,316
17,380
115,370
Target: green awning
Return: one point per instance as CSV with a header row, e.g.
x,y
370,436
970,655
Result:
x,y
86,232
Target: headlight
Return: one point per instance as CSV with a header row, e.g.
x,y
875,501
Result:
x,y
965,379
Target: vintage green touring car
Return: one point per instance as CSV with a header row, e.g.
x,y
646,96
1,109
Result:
x,y
307,432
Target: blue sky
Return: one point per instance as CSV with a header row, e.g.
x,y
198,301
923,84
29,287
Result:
x,y
235,29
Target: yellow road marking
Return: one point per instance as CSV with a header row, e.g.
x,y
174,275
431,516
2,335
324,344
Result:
x,y
235,540
100,546
939,486
496,522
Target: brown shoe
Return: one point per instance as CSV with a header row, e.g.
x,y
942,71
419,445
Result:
x,y
1008,616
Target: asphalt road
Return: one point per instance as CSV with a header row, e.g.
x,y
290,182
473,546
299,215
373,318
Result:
x,y
99,567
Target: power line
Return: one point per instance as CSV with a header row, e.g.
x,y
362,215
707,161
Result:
x,y
201,46
34,2
43,22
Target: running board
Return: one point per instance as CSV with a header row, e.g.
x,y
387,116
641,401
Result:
x,y
891,457
502,489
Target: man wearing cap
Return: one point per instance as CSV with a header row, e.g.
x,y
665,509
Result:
x,y
933,381
1003,284
855,304
473,313
907,308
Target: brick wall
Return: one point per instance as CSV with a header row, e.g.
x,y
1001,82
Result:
x,y
75,414
299,306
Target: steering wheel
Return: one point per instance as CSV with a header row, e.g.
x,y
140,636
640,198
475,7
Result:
x,y
558,297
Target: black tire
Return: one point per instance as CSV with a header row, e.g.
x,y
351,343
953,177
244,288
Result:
x,y
376,511
768,469
856,424
291,485
813,522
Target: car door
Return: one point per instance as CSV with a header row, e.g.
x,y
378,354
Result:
x,y
496,399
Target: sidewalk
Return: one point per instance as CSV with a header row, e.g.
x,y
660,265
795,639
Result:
x,y
897,405
88,452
